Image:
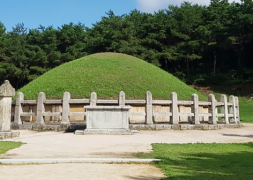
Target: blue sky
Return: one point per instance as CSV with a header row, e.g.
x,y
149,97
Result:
x,y
58,12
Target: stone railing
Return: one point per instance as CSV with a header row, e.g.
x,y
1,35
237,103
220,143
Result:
x,y
144,114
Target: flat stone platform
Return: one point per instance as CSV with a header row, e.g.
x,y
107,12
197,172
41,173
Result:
x,y
8,135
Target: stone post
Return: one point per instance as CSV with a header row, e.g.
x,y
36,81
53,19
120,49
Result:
x,y
65,109
174,108
122,98
18,109
237,110
224,108
6,93
232,109
195,108
212,109
40,108
93,99
149,117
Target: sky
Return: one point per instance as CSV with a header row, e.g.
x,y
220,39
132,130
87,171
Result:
x,y
58,12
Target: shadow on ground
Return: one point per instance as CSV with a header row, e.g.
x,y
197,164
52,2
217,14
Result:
x,y
235,164
238,135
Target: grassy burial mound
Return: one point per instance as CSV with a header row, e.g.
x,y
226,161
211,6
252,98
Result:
x,y
107,74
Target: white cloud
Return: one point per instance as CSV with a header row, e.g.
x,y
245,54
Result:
x,y
154,5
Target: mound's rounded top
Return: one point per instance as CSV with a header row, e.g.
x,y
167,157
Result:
x,y
107,74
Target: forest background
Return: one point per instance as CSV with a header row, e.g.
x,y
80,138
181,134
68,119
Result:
x,y
201,45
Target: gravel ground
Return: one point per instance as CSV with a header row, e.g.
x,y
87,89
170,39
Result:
x,y
69,145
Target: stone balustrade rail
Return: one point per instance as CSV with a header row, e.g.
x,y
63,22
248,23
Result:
x,y
145,114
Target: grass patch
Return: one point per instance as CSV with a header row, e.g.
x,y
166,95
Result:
x,y
246,110
204,161
107,74
6,146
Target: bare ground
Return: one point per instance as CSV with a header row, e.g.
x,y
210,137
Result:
x,y
68,145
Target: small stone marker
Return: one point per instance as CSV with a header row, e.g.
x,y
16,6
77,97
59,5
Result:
x,y
6,93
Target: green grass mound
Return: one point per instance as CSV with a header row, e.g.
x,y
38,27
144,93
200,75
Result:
x,y
107,74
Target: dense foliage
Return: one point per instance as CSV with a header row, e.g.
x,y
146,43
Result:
x,y
196,43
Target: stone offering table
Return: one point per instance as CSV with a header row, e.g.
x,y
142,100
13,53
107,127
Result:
x,y
6,93
107,120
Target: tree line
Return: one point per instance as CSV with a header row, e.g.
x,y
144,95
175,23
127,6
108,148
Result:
x,y
198,44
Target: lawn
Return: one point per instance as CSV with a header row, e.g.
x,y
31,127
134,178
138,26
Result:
x,y
246,110
6,146
204,161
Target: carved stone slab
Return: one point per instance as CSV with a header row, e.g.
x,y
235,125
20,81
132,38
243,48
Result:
x,y
6,90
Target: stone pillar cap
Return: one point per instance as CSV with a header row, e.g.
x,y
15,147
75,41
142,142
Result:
x,y
6,90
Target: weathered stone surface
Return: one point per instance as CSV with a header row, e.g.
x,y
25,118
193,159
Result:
x,y
133,114
40,108
159,127
6,93
77,108
18,108
93,99
184,109
213,127
212,109
8,135
195,109
237,110
149,118
198,126
122,98
187,127
167,126
174,108
162,117
103,119
203,110
232,109
6,90
5,114
105,131
176,126
205,127
224,108
65,108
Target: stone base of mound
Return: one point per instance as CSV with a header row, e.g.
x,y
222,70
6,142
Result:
x,y
82,127
9,135
105,131
182,126
49,127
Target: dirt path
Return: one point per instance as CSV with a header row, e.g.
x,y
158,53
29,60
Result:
x,y
80,172
63,145
68,145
